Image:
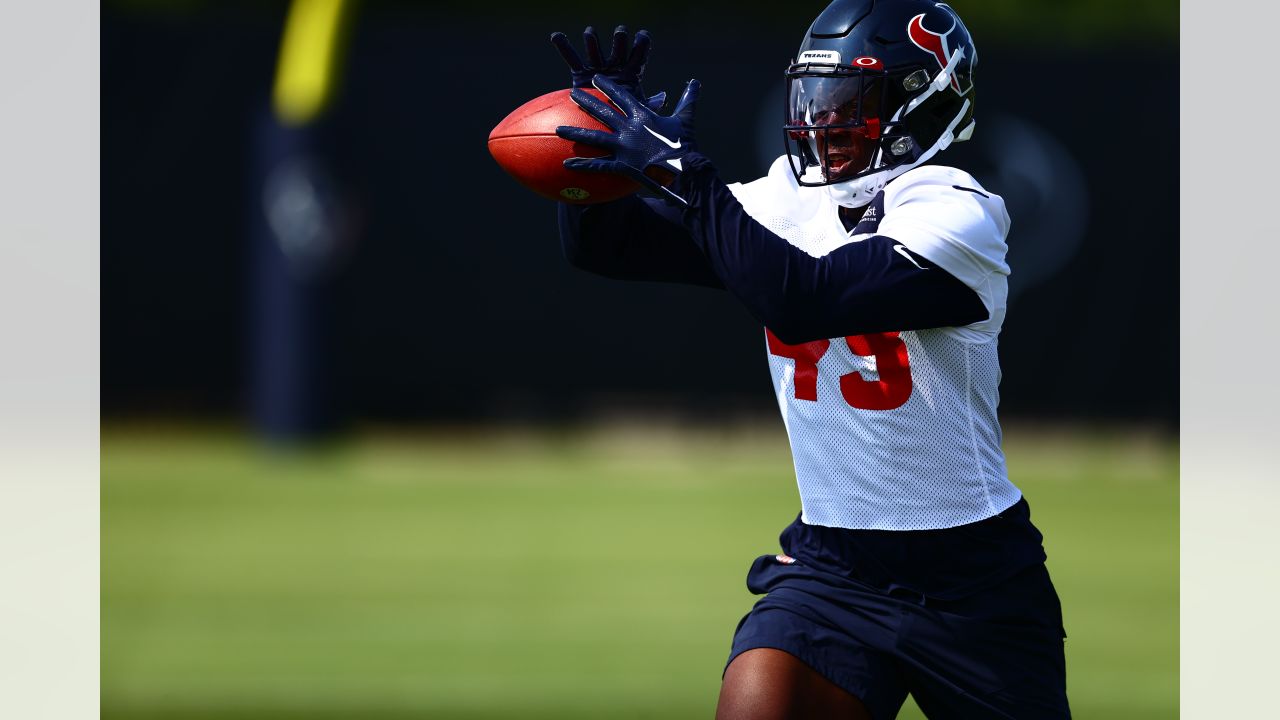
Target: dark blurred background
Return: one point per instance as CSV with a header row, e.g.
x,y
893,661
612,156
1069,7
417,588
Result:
x,y
439,293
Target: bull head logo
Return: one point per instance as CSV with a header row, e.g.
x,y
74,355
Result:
x,y
939,44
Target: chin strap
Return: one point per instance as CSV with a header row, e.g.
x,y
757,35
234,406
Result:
x,y
859,191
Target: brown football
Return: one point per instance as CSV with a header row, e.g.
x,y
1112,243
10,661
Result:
x,y
525,144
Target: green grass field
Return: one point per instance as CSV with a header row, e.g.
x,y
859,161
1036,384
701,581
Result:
x,y
543,575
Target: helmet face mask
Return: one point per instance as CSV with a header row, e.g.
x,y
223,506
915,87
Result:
x,y
833,121
876,89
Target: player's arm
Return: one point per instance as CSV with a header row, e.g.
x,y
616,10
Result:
x,y
876,285
633,238
870,286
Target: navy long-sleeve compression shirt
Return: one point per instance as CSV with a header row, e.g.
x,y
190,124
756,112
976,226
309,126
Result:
x,y
875,285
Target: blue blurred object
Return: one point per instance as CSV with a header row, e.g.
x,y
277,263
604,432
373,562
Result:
x,y
298,228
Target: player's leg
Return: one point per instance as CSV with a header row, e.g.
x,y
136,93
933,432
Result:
x,y
809,648
769,684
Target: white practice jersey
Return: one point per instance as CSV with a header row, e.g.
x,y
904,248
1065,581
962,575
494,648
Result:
x,y
896,431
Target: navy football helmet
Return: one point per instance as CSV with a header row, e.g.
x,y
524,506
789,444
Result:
x,y
877,88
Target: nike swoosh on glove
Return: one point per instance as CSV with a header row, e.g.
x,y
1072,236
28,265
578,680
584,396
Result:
x,y
641,138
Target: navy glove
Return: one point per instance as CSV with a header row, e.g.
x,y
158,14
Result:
x,y
643,143
626,69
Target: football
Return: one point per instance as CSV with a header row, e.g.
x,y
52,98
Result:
x,y
525,144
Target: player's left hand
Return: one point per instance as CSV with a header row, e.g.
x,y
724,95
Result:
x,y
622,66
643,143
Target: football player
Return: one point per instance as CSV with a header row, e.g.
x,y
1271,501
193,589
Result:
x,y
880,279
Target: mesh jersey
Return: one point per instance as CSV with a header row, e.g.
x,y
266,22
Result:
x,y
896,431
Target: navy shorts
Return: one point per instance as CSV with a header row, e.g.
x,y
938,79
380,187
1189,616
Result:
x,y
973,630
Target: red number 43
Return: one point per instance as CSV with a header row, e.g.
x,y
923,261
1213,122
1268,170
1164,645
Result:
x,y
892,390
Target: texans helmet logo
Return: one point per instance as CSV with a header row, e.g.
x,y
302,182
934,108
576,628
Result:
x,y
939,44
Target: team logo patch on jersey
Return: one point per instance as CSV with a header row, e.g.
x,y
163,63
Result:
x,y
870,220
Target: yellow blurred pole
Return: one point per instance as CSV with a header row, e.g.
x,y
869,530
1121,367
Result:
x,y
306,71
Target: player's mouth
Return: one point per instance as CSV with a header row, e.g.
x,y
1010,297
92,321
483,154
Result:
x,y
838,162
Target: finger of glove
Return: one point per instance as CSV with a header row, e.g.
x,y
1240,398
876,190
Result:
x,y
648,185
620,168
656,189
618,51
596,165
639,54
597,138
655,102
561,41
596,107
688,101
620,96
592,44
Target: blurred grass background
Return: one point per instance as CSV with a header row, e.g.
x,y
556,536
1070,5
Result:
x,y
547,574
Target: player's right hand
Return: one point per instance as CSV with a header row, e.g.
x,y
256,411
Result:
x,y
640,140
623,67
